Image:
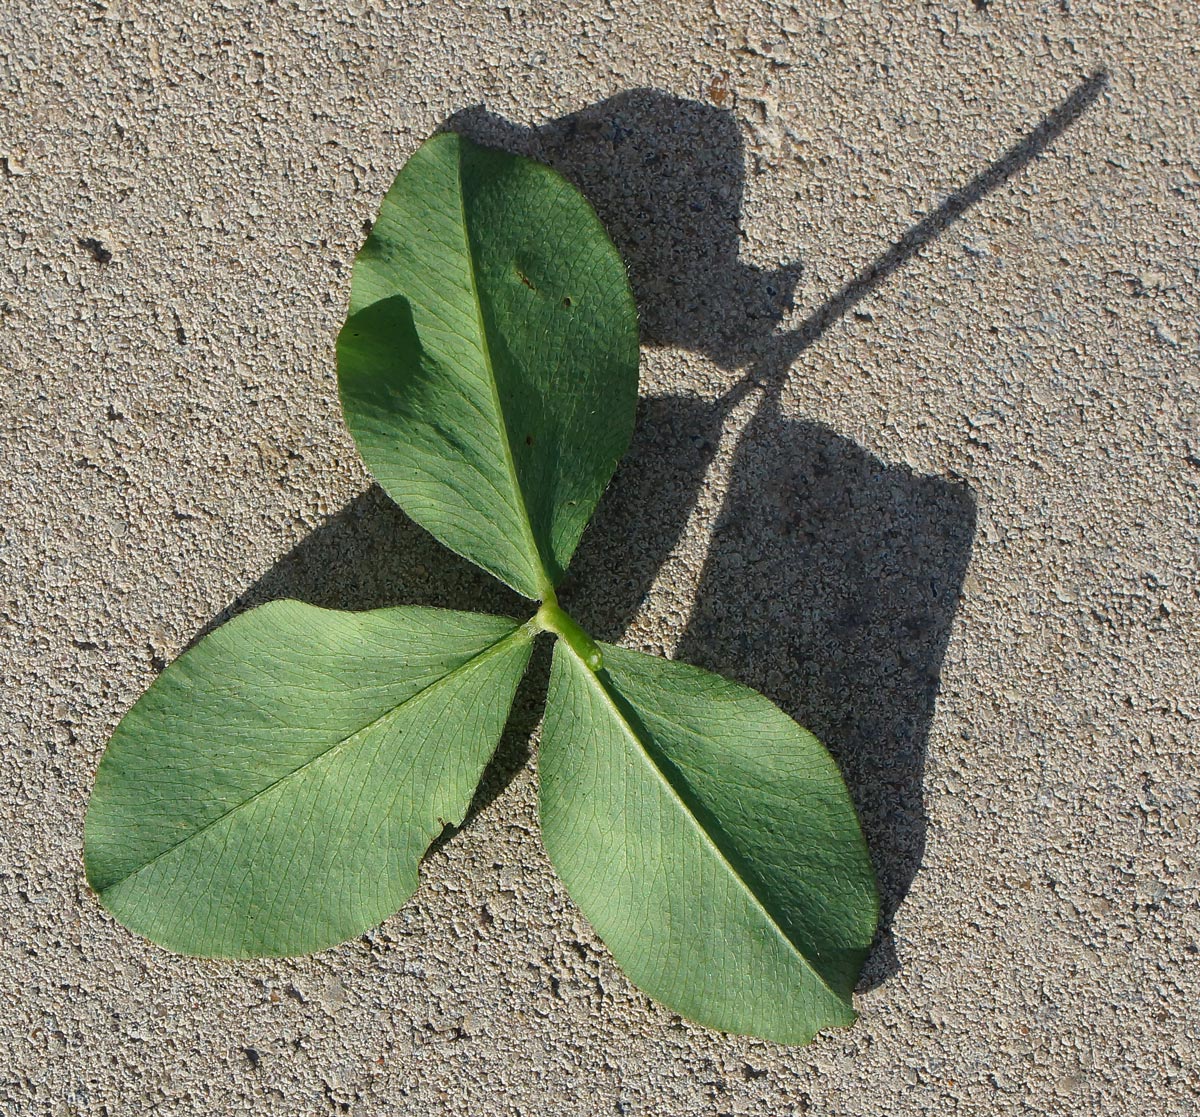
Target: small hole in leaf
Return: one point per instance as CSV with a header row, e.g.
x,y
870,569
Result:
x,y
566,300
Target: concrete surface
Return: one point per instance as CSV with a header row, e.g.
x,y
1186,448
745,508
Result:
x,y
905,438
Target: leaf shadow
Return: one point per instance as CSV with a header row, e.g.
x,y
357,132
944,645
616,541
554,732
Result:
x,y
832,578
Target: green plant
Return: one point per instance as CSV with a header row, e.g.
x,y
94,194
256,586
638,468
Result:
x,y
274,790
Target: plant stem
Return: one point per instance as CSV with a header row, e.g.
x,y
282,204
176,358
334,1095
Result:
x,y
552,618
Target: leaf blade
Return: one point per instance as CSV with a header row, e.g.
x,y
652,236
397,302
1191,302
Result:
x,y
682,842
488,365
243,812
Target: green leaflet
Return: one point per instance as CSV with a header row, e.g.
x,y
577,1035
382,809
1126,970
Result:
x,y
488,366
710,842
274,790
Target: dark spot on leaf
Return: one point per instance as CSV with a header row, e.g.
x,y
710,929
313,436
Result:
x,y
529,440
98,252
525,279
566,300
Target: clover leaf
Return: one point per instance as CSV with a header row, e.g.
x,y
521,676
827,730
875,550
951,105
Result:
x,y
488,367
274,790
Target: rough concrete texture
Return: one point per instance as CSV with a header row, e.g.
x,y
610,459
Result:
x,y
918,457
